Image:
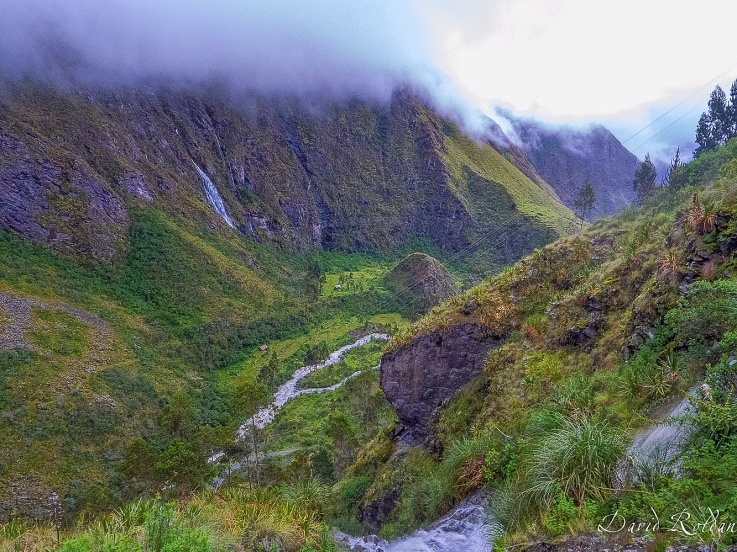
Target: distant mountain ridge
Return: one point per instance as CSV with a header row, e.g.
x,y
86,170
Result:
x,y
565,158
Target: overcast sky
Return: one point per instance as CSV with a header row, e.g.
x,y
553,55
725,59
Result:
x,y
618,62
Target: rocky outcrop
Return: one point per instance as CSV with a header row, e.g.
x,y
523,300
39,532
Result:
x,y
27,497
59,202
421,282
419,376
373,515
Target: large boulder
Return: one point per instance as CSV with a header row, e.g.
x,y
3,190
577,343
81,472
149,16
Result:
x,y
419,376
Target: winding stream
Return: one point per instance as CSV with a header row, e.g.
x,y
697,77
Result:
x,y
290,390
468,527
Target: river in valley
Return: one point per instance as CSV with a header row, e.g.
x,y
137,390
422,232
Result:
x,y
290,390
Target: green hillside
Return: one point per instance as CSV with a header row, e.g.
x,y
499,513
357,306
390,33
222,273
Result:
x,y
91,355
593,335
136,325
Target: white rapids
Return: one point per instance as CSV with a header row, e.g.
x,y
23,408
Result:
x,y
467,528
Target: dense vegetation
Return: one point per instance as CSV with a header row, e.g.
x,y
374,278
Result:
x,y
601,328
116,403
119,379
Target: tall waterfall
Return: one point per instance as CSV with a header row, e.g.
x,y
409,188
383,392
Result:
x,y
213,196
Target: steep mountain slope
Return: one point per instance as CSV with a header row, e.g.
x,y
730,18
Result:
x,y
345,176
535,381
89,356
566,158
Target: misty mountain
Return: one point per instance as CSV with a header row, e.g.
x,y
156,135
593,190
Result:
x,y
565,158
349,176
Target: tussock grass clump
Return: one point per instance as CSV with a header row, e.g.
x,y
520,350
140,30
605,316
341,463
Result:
x,y
572,462
255,520
578,458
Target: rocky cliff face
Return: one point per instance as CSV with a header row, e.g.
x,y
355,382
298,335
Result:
x,y
566,158
346,176
419,376
58,201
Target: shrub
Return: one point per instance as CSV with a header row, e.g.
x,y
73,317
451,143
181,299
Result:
x,y
708,310
310,494
578,459
654,370
352,491
561,514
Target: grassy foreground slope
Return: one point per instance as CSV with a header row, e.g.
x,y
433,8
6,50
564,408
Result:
x,y
597,329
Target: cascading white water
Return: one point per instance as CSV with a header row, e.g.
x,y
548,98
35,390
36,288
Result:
x,y
467,528
213,196
667,434
657,445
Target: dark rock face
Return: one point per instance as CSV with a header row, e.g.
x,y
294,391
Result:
x,y
373,515
26,497
583,337
61,204
419,376
565,158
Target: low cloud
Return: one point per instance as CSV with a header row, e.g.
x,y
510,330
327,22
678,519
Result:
x,y
470,55
288,46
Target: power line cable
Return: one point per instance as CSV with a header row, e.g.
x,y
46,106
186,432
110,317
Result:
x,y
692,94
